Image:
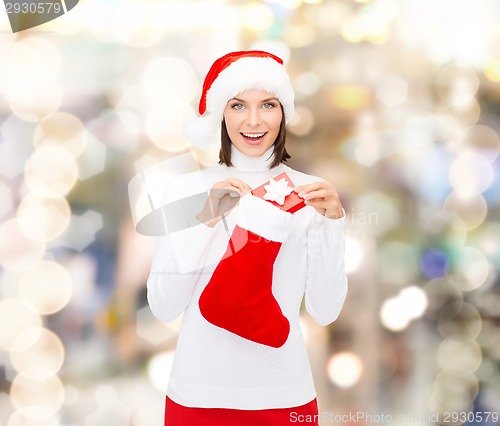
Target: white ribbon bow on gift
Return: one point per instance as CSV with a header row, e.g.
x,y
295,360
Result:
x,y
277,191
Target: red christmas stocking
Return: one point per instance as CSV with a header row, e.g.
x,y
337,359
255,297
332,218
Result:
x,y
239,294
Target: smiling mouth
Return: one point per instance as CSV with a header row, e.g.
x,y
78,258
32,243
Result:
x,y
253,138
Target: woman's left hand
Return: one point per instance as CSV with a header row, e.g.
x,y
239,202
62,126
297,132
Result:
x,y
323,197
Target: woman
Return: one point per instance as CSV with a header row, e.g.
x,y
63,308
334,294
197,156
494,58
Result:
x,y
239,274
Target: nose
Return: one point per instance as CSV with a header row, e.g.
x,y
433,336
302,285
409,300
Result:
x,y
253,117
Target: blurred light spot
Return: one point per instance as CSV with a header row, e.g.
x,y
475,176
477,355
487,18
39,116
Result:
x,y
18,251
354,254
36,103
159,368
164,124
133,98
111,409
487,239
371,23
458,120
209,156
307,84
71,395
492,70
152,329
456,85
471,209
399,262
329,16
136,24
392,90
63,130
302,122
47,286
35,390
32,417
375,24
287,4
344,369
171,81
20,316
50,172
460,318
415,300
27,63
352,30
468,268
300,35
43,219
433,185
433,263
257,16
350,97
369,144
276,47
483,140
440,292
397,312
459,353
37,348
444,230
6,203
393,315
454,391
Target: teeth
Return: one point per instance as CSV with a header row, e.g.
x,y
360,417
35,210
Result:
x,y
253,135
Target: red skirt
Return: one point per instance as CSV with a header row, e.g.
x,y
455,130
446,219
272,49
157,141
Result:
x,y
178,415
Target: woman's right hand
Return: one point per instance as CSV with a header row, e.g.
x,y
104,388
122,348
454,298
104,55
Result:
x,y
224,196
228,187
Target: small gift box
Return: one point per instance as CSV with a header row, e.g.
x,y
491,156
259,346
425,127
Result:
x,y
279,192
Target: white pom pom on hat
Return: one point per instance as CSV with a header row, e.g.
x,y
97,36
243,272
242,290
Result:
x,y
233,74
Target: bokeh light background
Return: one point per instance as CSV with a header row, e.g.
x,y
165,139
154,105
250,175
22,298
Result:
x,y
398,105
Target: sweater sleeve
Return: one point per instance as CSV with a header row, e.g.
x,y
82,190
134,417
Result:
x,y
179,258
326,284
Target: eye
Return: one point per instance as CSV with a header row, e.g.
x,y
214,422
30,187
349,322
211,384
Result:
x,y
269,105
237,106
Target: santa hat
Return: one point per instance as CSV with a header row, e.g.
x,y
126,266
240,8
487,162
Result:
x,y
233,74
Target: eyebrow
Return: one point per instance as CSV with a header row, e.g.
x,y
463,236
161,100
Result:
x,y
265,100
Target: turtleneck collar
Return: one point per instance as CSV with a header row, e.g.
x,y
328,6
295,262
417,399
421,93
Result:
x,y
253,164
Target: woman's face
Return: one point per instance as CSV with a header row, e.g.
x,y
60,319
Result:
x,y
253,121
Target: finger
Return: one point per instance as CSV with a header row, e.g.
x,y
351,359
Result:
x,y
242,186
305,189
235,185
318,194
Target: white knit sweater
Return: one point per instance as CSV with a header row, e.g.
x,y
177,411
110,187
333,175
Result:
x,y
214,367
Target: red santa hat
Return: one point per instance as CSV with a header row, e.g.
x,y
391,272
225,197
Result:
x,y
233,74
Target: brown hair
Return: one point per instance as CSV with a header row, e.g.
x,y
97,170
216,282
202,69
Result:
x,y
280,154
